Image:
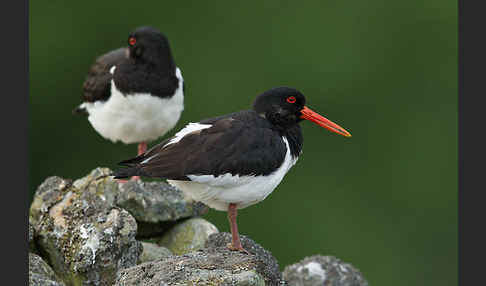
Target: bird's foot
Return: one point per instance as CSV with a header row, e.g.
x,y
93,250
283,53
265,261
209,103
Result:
x,y
134,178
237,248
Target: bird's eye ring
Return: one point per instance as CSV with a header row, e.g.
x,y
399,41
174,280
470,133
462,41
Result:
x,y
291,99
132,41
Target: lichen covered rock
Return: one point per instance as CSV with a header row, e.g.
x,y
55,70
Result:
x,y
321,270
209,266
86,233
156,206
31,233
188,236
270,265
40,273
153,252
155,202
213,265
84,237
31,238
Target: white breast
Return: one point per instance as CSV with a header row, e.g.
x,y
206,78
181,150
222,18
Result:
x,y
218,192
137,117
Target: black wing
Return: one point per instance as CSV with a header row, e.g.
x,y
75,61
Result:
x,y
97,84
230,145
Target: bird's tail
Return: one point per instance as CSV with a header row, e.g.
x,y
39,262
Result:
x,y
127,172
80,110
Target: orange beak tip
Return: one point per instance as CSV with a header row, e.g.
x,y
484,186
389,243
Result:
x,y
318,119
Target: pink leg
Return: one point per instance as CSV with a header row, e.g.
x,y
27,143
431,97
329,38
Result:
x,y
236,243
142,148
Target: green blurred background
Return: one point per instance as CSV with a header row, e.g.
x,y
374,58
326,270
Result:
x,y
384,200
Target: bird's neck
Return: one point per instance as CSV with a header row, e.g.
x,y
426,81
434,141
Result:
x,y
162,69
295,139
158,80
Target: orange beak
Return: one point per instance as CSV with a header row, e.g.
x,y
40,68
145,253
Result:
x,y
320,120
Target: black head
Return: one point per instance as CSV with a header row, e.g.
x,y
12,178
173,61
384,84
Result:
x,y
148,45
285,107
280,105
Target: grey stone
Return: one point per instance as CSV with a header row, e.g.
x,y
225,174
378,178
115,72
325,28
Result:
x,y
31,238
270,268
188,236
153,252
155,205
100,183
31,233
209,266
40,273
84,237
323,270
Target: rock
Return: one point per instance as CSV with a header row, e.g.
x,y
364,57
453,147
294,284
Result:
x,y
155,205
31,238
323,270
153,252
84,237
271,269
209,266
40,273
188,236
47,194
31,233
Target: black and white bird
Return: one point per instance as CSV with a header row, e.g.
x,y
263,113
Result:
x,y
134,94
236,160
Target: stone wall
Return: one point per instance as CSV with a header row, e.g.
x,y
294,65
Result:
x,y
98,231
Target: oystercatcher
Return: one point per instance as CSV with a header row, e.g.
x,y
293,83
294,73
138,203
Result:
x,y
134,94
233,161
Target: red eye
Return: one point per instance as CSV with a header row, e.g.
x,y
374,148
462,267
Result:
x,y
291,99
132,41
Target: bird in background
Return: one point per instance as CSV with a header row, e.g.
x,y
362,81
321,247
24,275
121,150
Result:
x,y
236,160
134,94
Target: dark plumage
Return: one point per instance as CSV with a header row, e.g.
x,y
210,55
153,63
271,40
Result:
x,y
218,150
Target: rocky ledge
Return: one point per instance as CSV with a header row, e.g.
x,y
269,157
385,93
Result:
x,y
97,231
214,264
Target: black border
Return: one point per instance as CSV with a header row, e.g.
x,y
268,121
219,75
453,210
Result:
x,y
15,152
471,142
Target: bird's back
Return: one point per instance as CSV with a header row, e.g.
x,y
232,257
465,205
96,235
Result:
x,y
97,84
240,143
